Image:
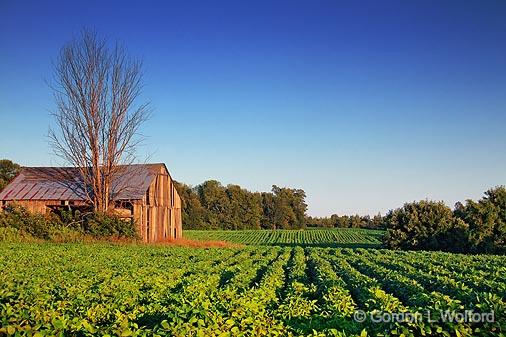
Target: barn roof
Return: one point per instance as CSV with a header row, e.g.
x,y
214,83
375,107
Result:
x,y
65,183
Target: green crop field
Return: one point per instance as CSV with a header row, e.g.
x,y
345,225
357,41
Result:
x,y
128,290
341,237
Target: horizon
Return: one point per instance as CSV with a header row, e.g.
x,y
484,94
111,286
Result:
x,y
363,106
270,191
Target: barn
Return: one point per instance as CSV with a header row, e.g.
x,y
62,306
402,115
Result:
x,y
144,193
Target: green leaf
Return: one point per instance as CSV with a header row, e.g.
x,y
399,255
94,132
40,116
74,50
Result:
x,y
88,326
11,330
126,333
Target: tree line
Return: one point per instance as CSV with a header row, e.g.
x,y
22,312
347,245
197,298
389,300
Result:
x,y
471,227
211,205
347,221
8,170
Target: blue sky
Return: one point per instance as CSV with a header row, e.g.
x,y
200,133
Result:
x,y
363,104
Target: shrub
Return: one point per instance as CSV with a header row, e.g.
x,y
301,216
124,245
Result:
x,y
101,224
425,225
487,221
10,234
37,225
69,235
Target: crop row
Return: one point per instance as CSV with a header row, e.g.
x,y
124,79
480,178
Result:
x,y
310,237
108,290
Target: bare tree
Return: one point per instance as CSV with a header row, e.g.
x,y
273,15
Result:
x,y
97,119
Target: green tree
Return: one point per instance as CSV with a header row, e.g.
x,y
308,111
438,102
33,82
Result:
x,y
290,207
253,210
8,170
426,225
299,207
268,211
487,221
355,221
193,213
343,221
212,206
245,210
376,221
334,221
215,200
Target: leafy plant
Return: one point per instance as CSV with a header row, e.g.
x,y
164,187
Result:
x,y
425,225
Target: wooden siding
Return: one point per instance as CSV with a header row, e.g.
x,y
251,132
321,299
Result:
x,y
42,206
159,214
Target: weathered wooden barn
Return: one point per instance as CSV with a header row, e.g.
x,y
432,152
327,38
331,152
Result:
x,y
144,193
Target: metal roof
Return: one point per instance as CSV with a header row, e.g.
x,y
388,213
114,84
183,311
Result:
x,y
65,183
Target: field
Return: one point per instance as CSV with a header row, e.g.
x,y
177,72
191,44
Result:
x,y
136,290
343,237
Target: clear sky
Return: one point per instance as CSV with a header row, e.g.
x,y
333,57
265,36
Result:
x,y
363,104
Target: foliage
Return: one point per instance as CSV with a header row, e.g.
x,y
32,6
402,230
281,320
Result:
x,y
475,227
289,208
8,171
11,234
36,225
426,225
487,221
102,225
132,290
211,205
347,221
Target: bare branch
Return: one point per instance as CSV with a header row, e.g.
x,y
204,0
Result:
x,y
96,118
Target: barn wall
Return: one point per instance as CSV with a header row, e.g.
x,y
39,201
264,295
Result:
x,y
32,206
177,215
158,214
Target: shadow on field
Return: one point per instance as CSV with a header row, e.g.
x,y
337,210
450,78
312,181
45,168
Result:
x,y
150,320
319,323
